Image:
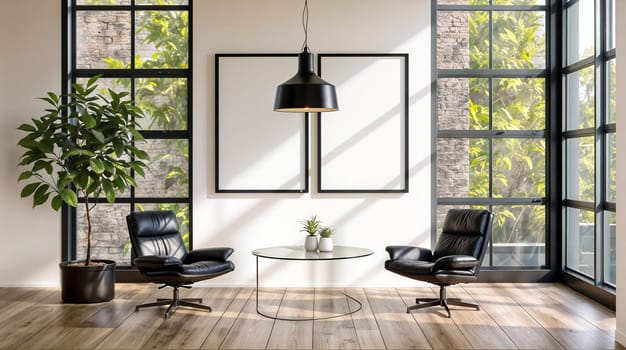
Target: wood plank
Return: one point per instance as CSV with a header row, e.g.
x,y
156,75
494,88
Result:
x,y
69,317
112,314
569,329
71,321
226,321
597,314
398,329
441,331
191,327
251,330
297,303
523,330
86,331
135,330
337,332
364,321
80,338
15,301
31,321
477,326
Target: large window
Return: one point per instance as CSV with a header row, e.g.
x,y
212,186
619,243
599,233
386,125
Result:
x,y
143,47
491,107
589,149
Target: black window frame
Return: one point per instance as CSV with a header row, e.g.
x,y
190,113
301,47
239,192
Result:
x,y
549,270
69,75
595,286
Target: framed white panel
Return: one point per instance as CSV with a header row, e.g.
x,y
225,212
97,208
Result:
x,y
257,149
363,147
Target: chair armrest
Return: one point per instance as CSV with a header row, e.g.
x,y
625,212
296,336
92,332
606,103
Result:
x,y
215,254
455,262
155,262
401,252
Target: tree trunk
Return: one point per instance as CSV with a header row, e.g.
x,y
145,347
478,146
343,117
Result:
x,y
88,210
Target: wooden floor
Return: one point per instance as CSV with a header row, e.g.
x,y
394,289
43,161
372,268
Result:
x,y
524,316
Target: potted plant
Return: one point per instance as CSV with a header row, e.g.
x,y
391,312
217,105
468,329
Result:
x,y
326,241
310,226
84,144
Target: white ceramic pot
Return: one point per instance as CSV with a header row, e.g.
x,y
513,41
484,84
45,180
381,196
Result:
x,y
326,244
310,243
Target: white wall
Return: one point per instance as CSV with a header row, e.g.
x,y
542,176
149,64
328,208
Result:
x,y
30,65
252,221
620,331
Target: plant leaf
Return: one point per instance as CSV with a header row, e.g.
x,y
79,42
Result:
x,y
27,128
29,189
136,134
89,121
69,197
56,202
109,191
29,143
97,165
46,146
118,146
76,152
93,79
42,164
98,135
41,195
81,180
138,167
25,175
141,154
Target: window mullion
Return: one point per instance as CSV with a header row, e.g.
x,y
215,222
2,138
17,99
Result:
x,y
599,120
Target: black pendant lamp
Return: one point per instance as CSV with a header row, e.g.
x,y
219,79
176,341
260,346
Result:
x,y
305,91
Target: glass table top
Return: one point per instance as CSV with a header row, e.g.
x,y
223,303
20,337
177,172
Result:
x,y
297,252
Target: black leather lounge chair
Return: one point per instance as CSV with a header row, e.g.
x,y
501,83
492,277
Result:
x,y
456,258
161,257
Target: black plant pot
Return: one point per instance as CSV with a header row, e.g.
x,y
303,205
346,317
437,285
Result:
x,y
82,284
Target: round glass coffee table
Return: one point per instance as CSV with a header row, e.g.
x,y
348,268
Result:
x,y
299,254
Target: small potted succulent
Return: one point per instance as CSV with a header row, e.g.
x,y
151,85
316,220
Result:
x,y
326,241
310,226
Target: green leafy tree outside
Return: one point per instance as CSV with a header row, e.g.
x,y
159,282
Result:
x,y
165,36
517,104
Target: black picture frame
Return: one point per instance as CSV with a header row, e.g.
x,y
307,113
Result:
x,y
248,131
361,79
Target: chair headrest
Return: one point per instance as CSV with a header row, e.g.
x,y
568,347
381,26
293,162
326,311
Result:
x,y
467,222
152,223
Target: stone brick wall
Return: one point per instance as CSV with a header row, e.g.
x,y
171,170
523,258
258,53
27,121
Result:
x,y
104,34
109,229
452,106
108,224
100,35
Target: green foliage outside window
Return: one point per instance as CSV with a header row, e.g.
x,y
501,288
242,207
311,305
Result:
x,y
517,104
165,36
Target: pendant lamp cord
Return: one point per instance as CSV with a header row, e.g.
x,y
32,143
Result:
x,y
305,24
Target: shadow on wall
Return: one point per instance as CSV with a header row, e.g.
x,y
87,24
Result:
x,y
391,30
232,231
267,201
